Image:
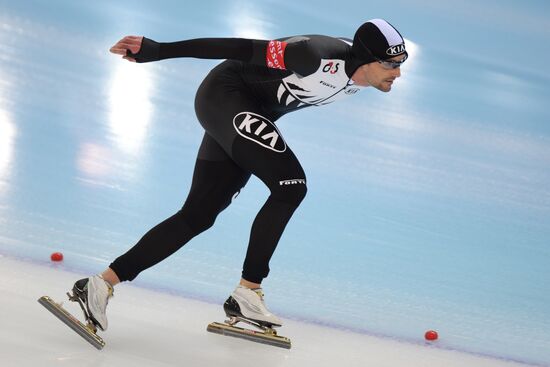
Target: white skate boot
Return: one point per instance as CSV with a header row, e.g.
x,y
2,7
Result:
x,y
94,293
249,304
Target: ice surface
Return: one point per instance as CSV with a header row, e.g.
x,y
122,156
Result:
x,y
427,207
149,328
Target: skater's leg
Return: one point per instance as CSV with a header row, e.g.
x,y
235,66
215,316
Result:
x,y
285,178
254,143
216,180
247,300
246,132
249,284
110,277
283,175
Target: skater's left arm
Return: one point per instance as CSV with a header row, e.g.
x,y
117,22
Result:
x,y
298,57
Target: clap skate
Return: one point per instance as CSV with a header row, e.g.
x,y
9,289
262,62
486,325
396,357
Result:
x,y
247,306
81,292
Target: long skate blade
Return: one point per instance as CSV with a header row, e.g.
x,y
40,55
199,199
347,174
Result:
x,y
72,322
256,336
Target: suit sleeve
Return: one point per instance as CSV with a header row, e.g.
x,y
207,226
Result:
x,y
299,57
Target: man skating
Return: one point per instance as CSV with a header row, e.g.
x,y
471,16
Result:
x,y
237,104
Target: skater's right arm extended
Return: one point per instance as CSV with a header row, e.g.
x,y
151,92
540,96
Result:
x,y
298,57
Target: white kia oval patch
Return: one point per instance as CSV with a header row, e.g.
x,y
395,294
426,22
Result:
x,y
396,50
260,130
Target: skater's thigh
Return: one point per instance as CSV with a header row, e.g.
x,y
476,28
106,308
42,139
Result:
x,y
216,179
275,167
216,170
247,134
217,107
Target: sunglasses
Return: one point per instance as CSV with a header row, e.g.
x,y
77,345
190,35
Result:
x,y
388,64
391,64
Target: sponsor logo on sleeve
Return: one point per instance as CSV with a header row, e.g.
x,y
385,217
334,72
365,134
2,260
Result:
x,y
275,56
260,130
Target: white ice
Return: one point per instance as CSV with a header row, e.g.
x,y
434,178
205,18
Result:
x,y
149,328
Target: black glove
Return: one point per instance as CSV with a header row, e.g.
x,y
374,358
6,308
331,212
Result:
x,y
148,52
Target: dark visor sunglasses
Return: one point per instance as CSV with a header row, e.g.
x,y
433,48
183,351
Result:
x,y
389,64
392,64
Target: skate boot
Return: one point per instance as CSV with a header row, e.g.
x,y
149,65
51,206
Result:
x,y
248,304
93,295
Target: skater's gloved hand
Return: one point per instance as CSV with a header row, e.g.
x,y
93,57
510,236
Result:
x,y
136,49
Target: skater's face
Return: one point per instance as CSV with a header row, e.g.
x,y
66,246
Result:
x,y
378,74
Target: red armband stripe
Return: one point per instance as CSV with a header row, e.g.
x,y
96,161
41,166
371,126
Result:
x,y
275,55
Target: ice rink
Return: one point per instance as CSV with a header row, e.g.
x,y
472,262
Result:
x,y
153,329
427,207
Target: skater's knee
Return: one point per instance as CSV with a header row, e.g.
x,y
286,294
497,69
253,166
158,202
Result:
x,y
198,220
202,207
290,191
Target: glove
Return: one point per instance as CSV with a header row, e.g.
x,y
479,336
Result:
x,y
148,52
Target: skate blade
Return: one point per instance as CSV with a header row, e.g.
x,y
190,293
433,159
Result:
x,y
72,322
252,335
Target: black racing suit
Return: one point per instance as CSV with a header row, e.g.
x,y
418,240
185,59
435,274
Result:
x,y
237,104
